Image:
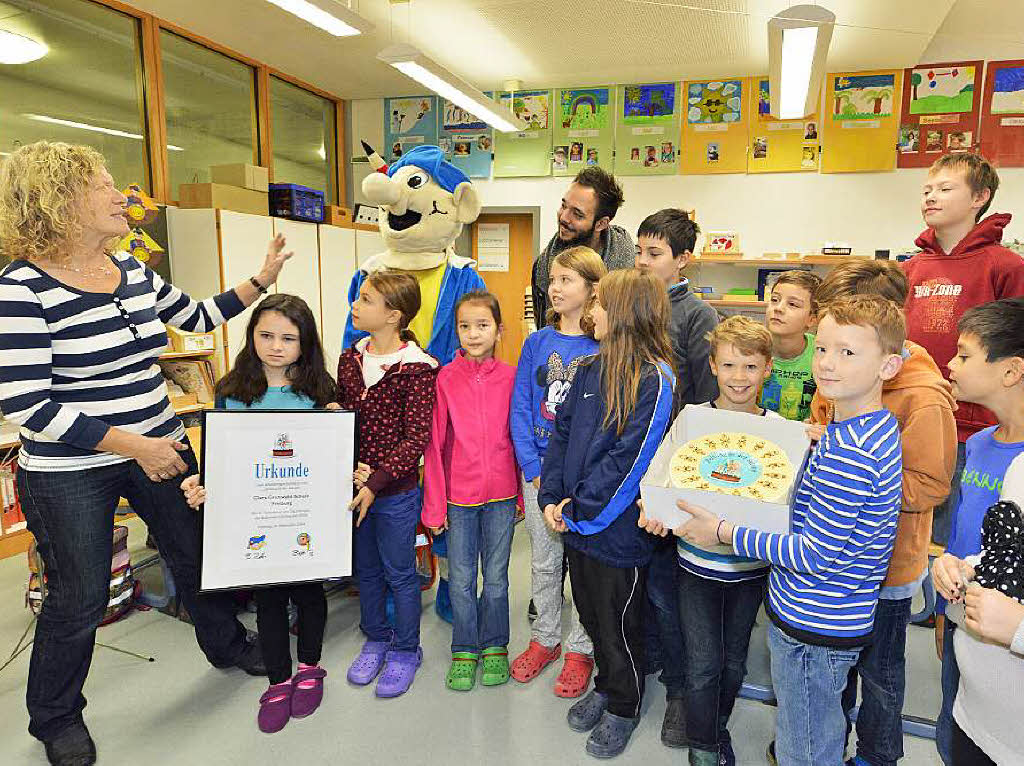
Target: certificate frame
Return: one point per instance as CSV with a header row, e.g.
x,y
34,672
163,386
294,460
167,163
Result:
x,y
278,489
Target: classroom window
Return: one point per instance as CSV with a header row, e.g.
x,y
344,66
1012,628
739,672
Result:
x,y
210,107
303,137
85,90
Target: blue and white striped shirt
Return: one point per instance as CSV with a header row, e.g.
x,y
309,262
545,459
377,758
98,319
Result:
x,y
75,363
825,577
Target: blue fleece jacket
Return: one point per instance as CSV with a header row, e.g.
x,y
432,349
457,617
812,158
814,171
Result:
x,y
457,281
600,470
547,366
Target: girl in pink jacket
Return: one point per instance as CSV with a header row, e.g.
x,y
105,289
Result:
x,y
470,488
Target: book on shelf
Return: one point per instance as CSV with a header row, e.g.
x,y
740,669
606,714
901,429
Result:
x,y
191,377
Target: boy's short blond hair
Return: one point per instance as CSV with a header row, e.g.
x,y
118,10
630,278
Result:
x,y
748,336
979,173
884,278
872,311
808,280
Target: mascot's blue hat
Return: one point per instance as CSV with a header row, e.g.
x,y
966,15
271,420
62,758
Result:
x,y
431,159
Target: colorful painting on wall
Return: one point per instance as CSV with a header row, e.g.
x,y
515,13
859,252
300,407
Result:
x,y
714,102
1008,91
643,104
647,131
863,97
584,109
942,89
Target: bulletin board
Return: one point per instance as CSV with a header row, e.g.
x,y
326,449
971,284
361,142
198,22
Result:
x,y
714,126
647,129
861,112
527,153
939,113
779,146
408,122
467,142
583,131
1002,114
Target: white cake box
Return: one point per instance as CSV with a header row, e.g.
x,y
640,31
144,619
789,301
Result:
x,y
659,495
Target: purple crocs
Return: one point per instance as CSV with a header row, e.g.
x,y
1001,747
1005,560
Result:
x,y
367,665
399,672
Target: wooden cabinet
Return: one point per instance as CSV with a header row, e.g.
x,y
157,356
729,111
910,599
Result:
x,y
337,265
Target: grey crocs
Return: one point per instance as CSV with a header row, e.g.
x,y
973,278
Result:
x,y
584,715
611,735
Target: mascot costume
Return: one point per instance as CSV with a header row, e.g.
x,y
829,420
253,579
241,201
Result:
x,y
424,203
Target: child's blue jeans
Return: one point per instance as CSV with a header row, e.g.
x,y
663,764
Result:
x,y
810,728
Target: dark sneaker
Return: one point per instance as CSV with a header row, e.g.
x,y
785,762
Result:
x,y
673,728
251,658
72,747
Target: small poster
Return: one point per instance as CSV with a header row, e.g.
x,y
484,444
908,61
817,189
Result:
x,y
466,141
647,129
583,129
714,135
1002,115
779,145
860,128
278,485
492,246
527,153
408,122
941,105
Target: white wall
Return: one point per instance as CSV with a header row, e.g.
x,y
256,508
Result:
x,y
772,212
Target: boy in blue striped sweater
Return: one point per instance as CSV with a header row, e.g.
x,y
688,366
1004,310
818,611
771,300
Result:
x,y
825,576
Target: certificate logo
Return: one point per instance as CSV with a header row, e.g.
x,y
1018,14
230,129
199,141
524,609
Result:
x,y
258,542
304,540
283,446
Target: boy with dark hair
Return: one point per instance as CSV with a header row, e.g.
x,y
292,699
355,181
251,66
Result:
x,y
790,317
584,218
985,371
665,243
921,401
825,574
961,265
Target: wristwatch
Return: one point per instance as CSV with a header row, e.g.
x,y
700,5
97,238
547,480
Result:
x,y
256,283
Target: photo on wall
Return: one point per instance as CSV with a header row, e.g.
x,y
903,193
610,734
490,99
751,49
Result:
x,y
910,139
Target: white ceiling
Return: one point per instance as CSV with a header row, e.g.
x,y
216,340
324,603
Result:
x,y
547,43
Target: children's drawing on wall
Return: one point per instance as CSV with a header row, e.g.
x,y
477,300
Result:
x,y
651,158
761,148
531,107
584,109
668,154
407,112
959,141
560,157
591,157
764,102
810,132
809,159
712,152
909,140
863,96
643,104
933,142
714,102
1008,90
940,90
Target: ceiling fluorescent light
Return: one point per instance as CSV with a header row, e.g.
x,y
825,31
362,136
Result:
x,y
18,49
798,40
339,21
93,128
412,63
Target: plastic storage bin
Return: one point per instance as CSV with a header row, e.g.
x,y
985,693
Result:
x,y
300,203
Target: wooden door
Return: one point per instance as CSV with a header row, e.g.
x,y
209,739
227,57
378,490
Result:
x,y
510,286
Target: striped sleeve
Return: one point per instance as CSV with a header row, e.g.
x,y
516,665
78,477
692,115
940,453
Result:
x,y
179,310
844,481
626,463
26,373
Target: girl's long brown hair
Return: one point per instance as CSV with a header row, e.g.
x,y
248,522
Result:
x,y
588,264
638,317
308,376
401,293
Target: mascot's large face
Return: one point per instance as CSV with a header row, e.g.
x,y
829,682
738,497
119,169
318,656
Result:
x,y
416,214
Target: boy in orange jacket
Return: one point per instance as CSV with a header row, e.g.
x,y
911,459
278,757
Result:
x,y
923,404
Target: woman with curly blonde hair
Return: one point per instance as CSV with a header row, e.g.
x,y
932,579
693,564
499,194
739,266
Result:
x,y
83,326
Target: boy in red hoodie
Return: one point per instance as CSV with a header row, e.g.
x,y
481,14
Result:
x,y
961,265
923,404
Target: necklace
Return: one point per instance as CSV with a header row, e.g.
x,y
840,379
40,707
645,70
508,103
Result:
x,y
102,271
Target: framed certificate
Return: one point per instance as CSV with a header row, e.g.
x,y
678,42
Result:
x,y
278,486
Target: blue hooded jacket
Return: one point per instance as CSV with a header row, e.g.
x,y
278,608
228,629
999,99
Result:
x,y
600,470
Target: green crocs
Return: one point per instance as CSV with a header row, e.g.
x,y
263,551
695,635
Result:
x,y
495,666
462,673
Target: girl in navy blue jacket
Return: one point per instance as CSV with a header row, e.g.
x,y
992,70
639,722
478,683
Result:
x,y
606,433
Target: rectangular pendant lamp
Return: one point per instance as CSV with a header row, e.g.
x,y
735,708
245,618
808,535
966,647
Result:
x,y
328,15
413,63
798,40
